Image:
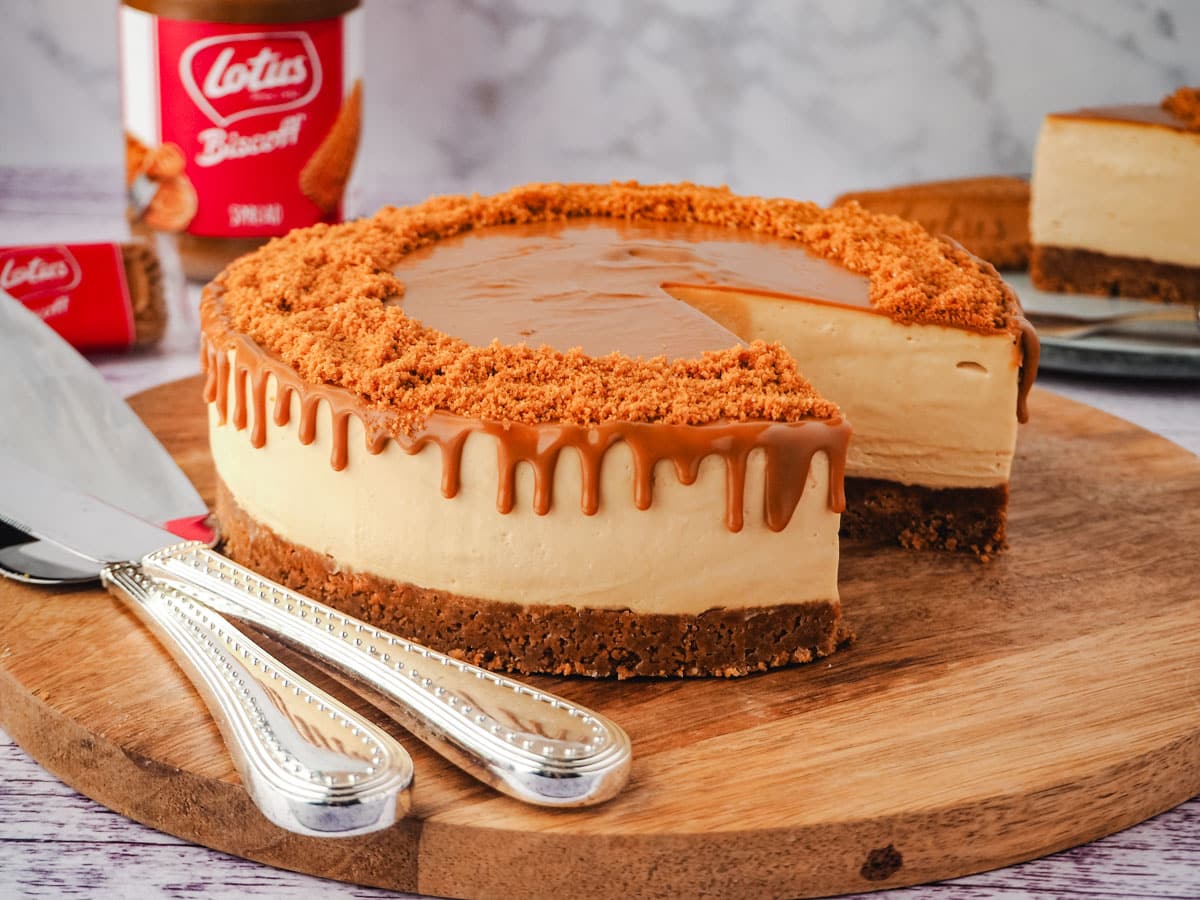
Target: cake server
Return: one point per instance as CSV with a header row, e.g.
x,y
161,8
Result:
x,y
1069,327
61,415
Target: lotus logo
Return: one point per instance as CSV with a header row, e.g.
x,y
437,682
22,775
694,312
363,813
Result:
x,y
35,272
234,77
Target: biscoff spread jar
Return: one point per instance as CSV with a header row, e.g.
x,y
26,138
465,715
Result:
x,y
242,119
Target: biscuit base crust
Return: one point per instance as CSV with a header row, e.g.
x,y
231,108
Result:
x,y
1073,271
557,640
924,518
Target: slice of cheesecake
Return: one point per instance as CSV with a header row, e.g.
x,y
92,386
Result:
x,y
1114,208
540,430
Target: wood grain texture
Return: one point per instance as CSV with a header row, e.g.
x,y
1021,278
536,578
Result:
x,y
987,714
56,843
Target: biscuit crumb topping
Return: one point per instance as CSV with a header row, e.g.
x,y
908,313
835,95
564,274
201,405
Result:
x,y
1185,104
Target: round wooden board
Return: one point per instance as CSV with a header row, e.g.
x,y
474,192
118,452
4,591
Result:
x,y
986,714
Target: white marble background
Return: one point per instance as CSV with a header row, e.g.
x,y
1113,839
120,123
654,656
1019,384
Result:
x,y
804,99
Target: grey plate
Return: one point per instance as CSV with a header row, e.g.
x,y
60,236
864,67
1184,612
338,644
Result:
x,y
1145,350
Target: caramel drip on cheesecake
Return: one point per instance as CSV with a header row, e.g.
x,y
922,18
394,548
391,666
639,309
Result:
x,y
788,447
1028,341
1031,352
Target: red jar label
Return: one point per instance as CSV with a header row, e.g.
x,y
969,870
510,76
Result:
x,y
79,290
238,130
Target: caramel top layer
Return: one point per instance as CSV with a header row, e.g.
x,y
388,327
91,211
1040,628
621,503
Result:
x,y
1140,114
321,300
603,285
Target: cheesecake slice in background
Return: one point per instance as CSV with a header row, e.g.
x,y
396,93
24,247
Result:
x,y
1116,201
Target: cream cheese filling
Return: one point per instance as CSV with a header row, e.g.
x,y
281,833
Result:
x,y
1119,188
929,405
385,514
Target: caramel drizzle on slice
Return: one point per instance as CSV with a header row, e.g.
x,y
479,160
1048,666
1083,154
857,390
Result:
x,y
788,447
1031,352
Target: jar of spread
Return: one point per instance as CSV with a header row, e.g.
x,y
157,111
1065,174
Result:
x,y
242,119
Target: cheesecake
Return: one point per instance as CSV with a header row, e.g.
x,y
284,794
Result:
x,y
596,429
988,215
1113,210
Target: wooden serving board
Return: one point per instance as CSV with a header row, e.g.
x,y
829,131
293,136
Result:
x,y
987,714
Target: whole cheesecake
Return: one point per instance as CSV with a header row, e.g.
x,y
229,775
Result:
x,y
560,429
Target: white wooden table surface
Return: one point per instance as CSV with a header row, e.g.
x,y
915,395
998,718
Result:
x,y
56,843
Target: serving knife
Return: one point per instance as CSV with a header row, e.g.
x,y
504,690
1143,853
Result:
x,y
529,744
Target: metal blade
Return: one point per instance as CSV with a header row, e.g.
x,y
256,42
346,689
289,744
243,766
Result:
x,y
62,418
41,562
54,511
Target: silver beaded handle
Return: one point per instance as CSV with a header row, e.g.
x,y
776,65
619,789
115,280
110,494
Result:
x,y
311,765
530,744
